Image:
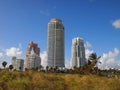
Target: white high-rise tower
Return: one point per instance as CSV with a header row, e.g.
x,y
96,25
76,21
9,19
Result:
x,y
78,52
55,43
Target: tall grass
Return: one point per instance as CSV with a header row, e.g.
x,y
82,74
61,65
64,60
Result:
x,y
32,80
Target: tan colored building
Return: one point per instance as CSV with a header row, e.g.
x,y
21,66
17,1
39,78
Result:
x,y
33,59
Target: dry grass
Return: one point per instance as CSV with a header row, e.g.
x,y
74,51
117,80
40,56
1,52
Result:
x,y
32,80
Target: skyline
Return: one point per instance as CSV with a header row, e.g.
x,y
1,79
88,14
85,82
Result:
x,y
97,22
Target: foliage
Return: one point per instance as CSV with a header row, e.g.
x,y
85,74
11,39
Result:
x,y
10,67
33,80
92,61
4,63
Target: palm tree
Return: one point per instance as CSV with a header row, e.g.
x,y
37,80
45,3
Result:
x,y
4,63
47,67
56,68
93,60
10,67
20,68
51,69
40,67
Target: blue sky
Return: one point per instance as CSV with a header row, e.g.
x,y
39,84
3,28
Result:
x,y
96,21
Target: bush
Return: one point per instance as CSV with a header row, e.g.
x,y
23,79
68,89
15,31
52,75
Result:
x,y
32,80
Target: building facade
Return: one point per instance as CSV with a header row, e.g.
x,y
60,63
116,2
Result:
x,y
33,59
78,52
55,43
18,64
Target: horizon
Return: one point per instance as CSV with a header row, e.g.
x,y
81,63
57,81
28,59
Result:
x,y
97,22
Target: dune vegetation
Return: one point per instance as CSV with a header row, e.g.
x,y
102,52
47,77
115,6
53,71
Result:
x,y
34,80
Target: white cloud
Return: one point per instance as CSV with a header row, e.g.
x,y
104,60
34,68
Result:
x,y
43,58
87,45
20,45
68,63
110,60
13,51
45,12
116,23
88,52
1,55
88,49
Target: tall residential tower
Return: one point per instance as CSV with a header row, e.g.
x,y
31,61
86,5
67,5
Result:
x,y
78,52
55,43
33,59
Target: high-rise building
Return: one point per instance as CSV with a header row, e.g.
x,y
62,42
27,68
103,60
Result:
x,y
18,64
55,43
78,52
33,59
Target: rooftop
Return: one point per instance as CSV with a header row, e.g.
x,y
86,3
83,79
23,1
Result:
x,y
55,19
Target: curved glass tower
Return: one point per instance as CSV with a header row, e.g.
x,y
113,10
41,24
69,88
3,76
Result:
x,y
78,52
55,43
